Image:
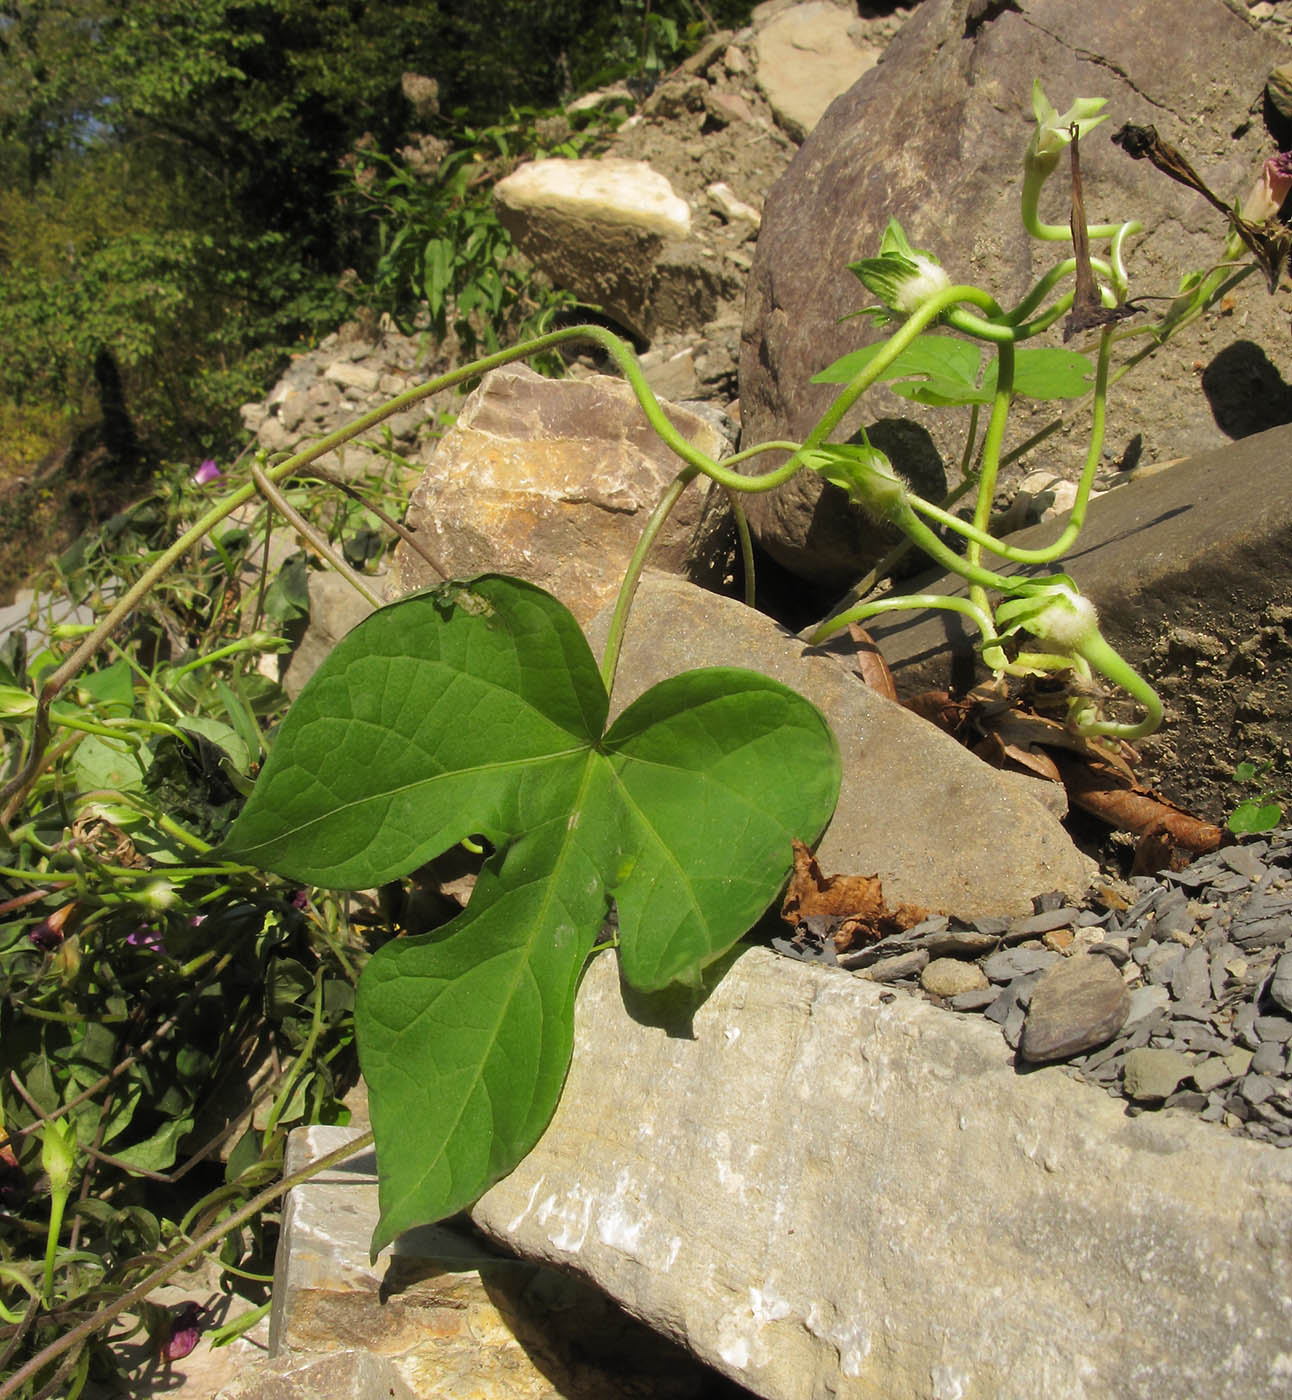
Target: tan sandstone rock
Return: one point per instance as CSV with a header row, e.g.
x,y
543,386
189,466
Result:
x,y
552,481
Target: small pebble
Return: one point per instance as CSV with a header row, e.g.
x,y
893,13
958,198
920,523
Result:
x,y
1256,1088
948,977
1191,980
973,1001
1277,1028
1145,1002
1061,917
1078,1004
1280,988
1017,962
1154,1074
1190,1011
1186,1098
1269,1058
1162,961
1245,860
1211,1074
1239,1060
894,969
958,943
1116,950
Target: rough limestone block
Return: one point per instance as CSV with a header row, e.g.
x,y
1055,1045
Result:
x,y
941,828
824,1190
439,1315
340,1375
335,607
595,227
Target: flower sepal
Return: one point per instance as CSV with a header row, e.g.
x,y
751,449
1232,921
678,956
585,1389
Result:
x,y
902,277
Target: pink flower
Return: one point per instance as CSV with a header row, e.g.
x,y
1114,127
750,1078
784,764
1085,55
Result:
x,y
185,1329
207,473
147,938
1278,178
1269,192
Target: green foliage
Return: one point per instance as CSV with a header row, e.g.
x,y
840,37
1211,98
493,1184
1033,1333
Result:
x,y
441,248
1260,813
142,983
941,369
170,187
478,709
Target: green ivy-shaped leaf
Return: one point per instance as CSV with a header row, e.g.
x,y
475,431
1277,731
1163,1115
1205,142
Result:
x,y
941,369
477,709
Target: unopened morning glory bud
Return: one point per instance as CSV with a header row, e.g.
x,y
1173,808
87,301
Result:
x,y
16,703
902,277
158,896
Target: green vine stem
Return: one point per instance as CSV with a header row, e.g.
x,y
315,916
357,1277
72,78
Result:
x,y
311,536
1109,663
632,574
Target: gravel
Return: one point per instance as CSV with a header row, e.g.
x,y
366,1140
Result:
x,y
1204,1024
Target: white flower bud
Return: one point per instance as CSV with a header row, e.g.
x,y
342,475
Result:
x,y
929,279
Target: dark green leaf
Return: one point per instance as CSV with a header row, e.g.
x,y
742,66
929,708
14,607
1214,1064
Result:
x,y
944,358
940,370
1046,372
479,709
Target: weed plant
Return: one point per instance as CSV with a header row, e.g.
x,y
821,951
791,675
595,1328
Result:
x,y
166,1018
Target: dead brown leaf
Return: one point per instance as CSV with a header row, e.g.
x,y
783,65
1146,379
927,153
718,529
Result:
x,y
867,661
1098,775
857,901
1104,791
940,707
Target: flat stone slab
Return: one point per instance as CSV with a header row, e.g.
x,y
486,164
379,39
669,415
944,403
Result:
x,y
1191,569
822,1189
439,1315
825,1190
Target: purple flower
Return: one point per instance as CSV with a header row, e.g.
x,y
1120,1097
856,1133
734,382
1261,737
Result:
x,y
50,933
207,473
185,1329
46,936
148,939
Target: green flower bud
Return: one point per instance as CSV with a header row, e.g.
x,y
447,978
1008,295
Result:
x,y
1054,132
902,277
864,472
1055,613
58,1153
159,895
16,703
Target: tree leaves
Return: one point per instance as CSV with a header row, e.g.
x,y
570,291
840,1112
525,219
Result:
x,y
943,369
477,709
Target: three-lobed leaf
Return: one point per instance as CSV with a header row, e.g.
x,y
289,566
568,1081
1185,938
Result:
x,y
478,709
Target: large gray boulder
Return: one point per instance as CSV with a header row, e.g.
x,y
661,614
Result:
x,y
941,828
823,1191
934,137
